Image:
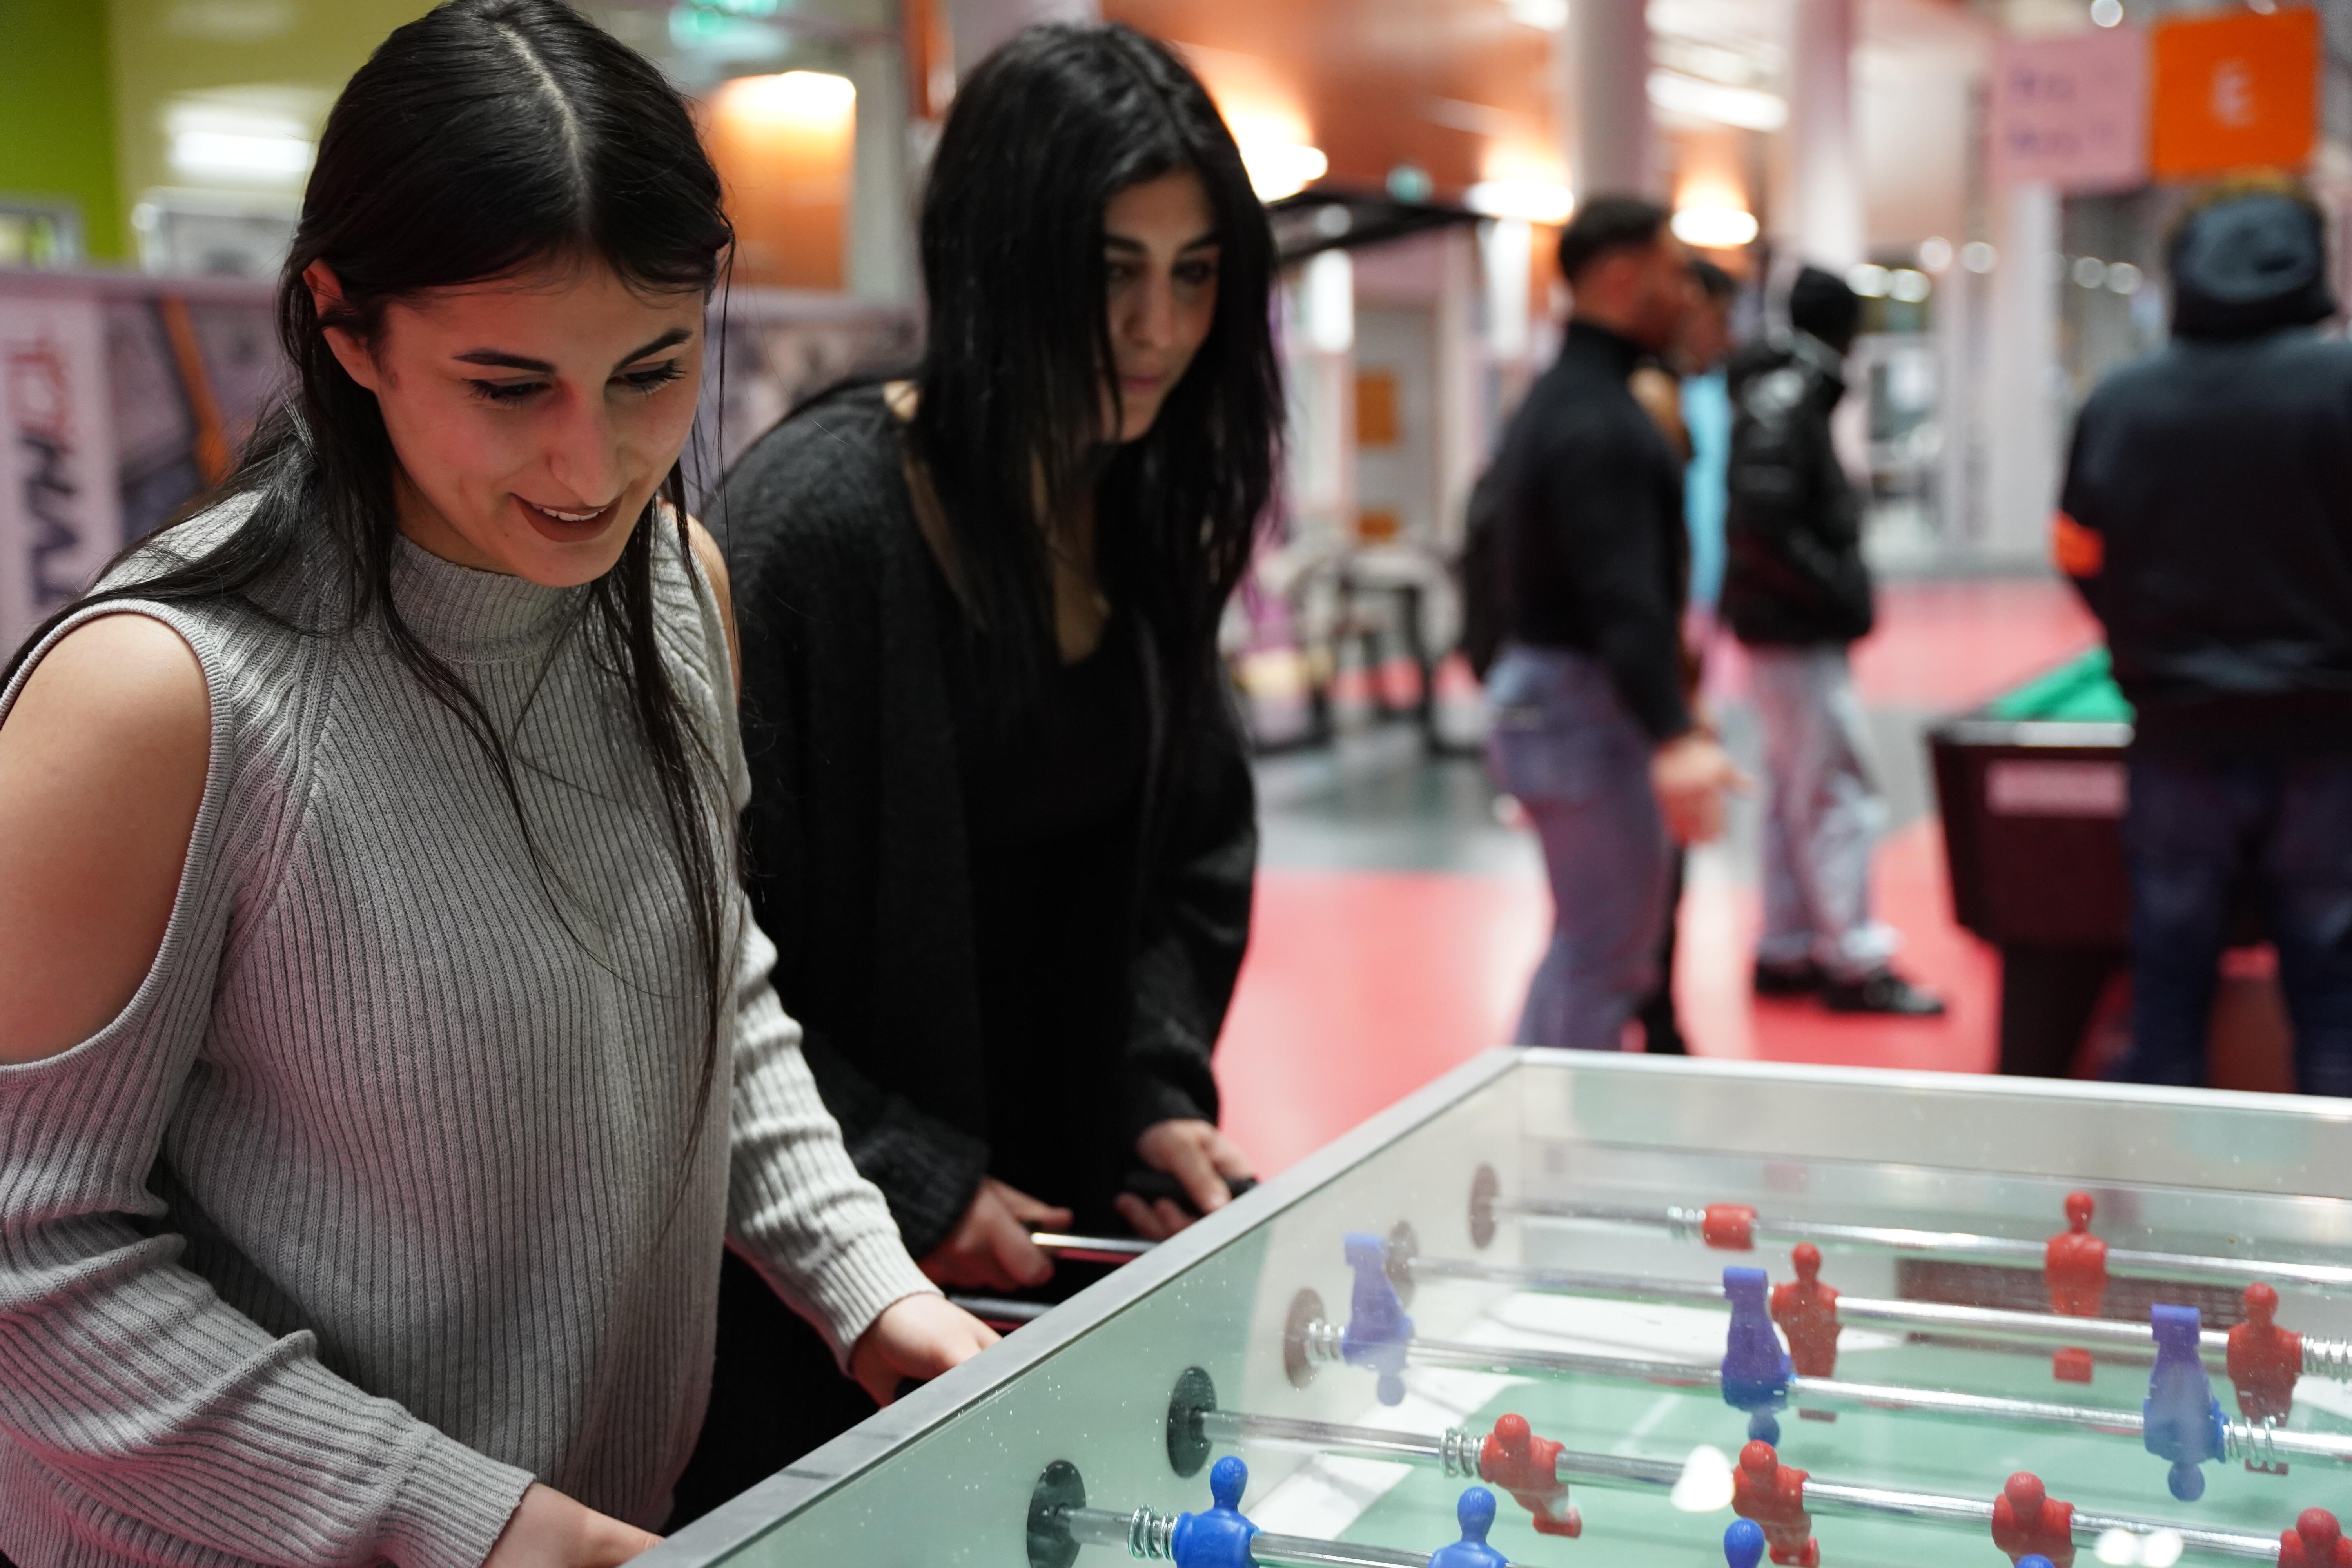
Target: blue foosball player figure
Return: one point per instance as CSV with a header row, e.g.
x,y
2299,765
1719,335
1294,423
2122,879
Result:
x,y
1475,1512
1378,1331
2033,1562
1743,1543
1755,1367
2182,1420
1218,1537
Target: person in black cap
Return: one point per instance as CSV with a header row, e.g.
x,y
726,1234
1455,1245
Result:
x,y
2206,519
1797,595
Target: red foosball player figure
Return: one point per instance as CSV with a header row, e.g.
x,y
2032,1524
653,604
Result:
x,y
2264,1359
1773,1495
2074,1268
2027,1520
1527,1467
2315,1542
1806,1310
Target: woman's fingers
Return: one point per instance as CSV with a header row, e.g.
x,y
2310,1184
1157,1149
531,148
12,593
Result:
x,y
1008,1242
1036,1213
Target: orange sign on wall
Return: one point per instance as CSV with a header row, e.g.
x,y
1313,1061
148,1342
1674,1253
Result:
x,y
2234,92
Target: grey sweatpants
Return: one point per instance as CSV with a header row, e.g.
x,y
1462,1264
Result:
x,y
1822,814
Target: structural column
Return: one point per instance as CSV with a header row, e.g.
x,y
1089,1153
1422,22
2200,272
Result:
x,y
2025,413
1818,216
881,214
1607,78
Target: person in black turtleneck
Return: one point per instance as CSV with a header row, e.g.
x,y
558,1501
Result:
x,y
1592,729
2206,519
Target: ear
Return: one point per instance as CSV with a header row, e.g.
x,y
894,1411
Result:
x,y
327,299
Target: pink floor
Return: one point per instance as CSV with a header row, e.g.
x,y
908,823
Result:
x,y
1362,985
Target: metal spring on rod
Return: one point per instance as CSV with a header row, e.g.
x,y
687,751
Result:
x,y
1151,1536
1685,1224
2327,1358
1458,1452
2252,1442
1321,1339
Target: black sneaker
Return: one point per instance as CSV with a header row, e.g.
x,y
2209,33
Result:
x,y
1884,992
1799,979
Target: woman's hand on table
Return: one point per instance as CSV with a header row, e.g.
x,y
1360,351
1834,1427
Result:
x,y
1200,1158
990,1249
916,1339
551,1531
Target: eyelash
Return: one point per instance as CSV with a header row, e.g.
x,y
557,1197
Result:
x,y
645,382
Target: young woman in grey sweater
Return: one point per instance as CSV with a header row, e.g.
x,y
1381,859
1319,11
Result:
x,y
386,1048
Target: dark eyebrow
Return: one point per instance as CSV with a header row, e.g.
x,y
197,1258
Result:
x,y
504,361
1121,242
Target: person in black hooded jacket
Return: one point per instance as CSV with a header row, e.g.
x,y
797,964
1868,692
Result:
x,y
1797,595
2206,519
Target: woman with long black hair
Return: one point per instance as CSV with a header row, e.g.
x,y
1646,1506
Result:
x,y
387,1050
1003,831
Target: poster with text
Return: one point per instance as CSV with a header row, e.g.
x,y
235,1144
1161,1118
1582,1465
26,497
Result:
x,y
2072,111
58,504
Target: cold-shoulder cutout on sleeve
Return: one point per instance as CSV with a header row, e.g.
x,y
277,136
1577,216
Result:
x,y
105,748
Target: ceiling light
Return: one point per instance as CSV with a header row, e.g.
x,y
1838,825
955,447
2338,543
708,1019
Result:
x,y
1279,169
1867,280
238,155
1533,201
2124,278
1547,16
2107,12
1909,286
1935,253
793,100
2090,272
1979,257
1715,228
1741,106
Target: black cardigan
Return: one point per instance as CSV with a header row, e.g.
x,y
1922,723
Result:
x,y
856,829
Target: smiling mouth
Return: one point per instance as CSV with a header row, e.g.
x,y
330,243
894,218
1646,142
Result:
x,y
562,515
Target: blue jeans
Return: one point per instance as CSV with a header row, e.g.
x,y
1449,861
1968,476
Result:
x,y
2196,828
1822,814
1563,743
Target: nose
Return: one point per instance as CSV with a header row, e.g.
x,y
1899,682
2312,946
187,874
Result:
x,y
1151,323
583,451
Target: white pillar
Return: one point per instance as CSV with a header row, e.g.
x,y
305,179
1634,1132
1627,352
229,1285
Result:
x,y
1607,55
881,207
1459,427
2023,413
1819,217
981,24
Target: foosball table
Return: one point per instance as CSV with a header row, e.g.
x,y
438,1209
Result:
x,y
1564,1308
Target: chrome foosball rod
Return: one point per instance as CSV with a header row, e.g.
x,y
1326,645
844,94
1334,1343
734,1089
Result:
x,y
1323,1343
1537,1471
2182,1421
1737,1227
1221,1536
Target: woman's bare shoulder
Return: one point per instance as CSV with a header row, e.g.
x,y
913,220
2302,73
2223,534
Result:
x,y
103,760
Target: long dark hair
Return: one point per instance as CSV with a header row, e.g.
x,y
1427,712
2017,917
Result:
x,y
1043,135
484,138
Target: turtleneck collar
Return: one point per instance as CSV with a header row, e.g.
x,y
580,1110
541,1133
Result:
x,y
463,614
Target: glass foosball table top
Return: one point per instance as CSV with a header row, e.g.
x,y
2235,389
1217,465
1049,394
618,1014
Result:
x,y
1561,1309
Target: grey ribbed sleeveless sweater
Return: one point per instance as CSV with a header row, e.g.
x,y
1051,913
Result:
x,y
359,1217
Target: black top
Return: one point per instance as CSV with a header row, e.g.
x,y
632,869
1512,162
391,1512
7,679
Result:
x,y
2214,481
860,828
1590,500
1793,573
1050,826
